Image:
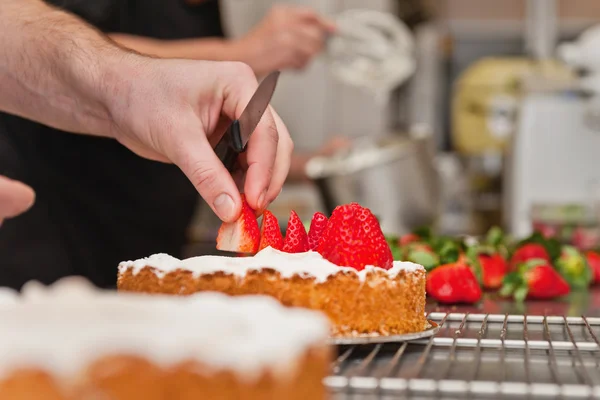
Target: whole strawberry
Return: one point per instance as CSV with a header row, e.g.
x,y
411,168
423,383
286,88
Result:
x,y
535,279
241,236
573,266
453,283
527,252
593,259
493,269
408,239
354,238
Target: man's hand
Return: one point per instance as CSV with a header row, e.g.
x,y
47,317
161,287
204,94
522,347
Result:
x,y
289,37
176,110
57,70
15,198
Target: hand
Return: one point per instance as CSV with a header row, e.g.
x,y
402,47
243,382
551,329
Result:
x,y
15,198
287,38
299,161
176,111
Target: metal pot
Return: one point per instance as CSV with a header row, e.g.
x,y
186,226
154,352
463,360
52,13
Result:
x,y
394,176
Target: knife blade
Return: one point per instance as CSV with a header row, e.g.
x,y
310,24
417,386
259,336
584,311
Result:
x,y
238,134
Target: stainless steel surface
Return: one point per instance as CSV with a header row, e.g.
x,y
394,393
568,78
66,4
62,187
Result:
x,y
542,28
395,177
256,107
478,356
430,331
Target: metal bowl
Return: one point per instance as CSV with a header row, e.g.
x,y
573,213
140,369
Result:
x,y
394,176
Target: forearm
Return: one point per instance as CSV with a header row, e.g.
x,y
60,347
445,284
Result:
x,y
214,49
57,70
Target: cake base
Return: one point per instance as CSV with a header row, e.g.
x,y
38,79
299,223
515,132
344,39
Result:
x,y
127,377
375,303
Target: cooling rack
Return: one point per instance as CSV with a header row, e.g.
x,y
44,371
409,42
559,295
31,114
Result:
x,y
477,356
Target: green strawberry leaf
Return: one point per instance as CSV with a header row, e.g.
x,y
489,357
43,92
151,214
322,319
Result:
x,y
495,236
426,259
424,233
473,259
448,252
520,293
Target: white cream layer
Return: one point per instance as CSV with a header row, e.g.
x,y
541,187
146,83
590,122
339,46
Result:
x,y
64,327
310,263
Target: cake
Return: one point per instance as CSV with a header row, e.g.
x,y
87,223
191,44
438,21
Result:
x,y
71,341
371,301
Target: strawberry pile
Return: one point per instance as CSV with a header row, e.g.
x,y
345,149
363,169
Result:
x,y
460,269
350,237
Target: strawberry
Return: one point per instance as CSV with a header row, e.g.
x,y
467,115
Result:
x,y
453,283
593,259
241,236
353,238
528,252
573,266
270,234
315,232
408,238
535,279
296,240
493,268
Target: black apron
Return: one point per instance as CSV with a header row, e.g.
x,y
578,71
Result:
x,y
97,203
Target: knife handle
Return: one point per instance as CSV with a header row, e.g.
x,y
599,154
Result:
x,y
230,146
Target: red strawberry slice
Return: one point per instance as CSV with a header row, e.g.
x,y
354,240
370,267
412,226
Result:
x,y
353,238
296,240
270,234
315,232
241,236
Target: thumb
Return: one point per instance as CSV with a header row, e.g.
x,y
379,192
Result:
x,y
209,176
15,198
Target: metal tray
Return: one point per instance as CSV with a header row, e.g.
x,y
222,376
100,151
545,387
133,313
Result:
x,y
372,339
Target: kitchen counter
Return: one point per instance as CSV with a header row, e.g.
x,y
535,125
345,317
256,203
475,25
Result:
x,y
579,303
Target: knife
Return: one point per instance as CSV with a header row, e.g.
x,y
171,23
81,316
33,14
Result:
x,y
236,137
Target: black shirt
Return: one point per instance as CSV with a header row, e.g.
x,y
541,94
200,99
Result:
x,y
97,203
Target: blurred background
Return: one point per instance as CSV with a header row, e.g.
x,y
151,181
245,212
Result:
x,y
472,114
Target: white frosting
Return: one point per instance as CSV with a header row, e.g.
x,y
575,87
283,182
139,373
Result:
x,y
310,263
64,327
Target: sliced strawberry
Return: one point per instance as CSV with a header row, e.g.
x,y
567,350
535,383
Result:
x,y
317,227
296,240
241,236
353,238
453,283
270,233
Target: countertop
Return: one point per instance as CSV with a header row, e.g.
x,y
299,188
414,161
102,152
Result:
x,y
576,304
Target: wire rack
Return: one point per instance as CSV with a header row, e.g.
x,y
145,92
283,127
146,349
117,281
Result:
x,y
477,356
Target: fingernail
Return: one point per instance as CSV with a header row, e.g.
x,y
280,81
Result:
x,y
261,200
224,206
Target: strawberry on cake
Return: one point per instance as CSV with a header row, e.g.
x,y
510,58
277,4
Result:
x,y
342,267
